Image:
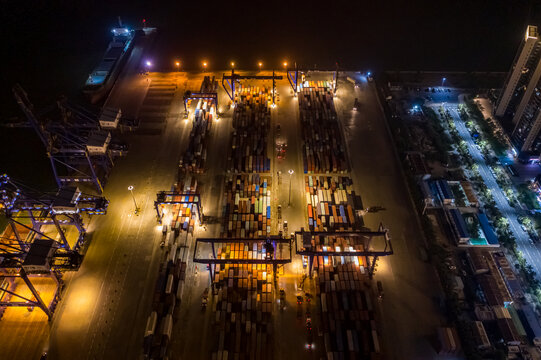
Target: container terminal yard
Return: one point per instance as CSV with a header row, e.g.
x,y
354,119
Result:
x,y
217,215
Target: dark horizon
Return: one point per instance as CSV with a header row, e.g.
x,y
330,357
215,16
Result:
x,y
54,47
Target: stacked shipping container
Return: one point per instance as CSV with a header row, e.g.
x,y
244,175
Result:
x,y
349,328
334,243
242,305
330,203
195,155
243,293
167,297
323,148
251,123
184,215
247,206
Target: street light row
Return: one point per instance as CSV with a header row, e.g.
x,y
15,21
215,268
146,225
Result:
x,y
205,64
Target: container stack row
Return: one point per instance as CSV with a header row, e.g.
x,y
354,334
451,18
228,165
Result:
x,y
242,307
323,148
209,85
184,215
167,297
195,156
247,206
330,244
316,84
248,250
331,203
349,328
251,123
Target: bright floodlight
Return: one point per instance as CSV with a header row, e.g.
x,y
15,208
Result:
x,y
260,64
177,63
149,63
232,64
204,63
130,187
290,171
285,63
444,79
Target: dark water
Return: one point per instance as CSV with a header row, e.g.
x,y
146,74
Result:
x,y
50,46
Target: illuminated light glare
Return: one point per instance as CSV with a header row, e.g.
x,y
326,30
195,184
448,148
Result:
x,y
148,63
285,63
232,64
204,63
130,188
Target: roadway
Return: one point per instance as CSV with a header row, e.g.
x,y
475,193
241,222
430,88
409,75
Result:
x,y
113,289
409,313
531,253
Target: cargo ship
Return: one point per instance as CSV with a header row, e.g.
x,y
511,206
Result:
x,y
102,78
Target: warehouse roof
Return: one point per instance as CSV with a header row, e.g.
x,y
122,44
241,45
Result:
x,y
460,224
445,189
478,260
491,237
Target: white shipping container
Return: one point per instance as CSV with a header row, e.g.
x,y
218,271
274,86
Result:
x,y
376,341
180,290
151,324
351,347
169,284
167,325
323,302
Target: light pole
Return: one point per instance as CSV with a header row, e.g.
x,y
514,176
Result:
x,y
285,65
133,197
148,65
260,65
443,81
177,64
205,65
232,64
290,171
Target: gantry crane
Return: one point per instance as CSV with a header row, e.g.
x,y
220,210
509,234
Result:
x,y
304,240
32,210
231,80
43,259
273,256
76,146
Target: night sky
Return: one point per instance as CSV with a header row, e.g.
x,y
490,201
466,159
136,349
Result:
x,y
54,45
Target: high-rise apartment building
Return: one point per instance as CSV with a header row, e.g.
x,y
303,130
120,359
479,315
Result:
x,y
520,98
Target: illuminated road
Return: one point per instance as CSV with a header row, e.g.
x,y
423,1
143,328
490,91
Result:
x,y
410,314
111,292
531,253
